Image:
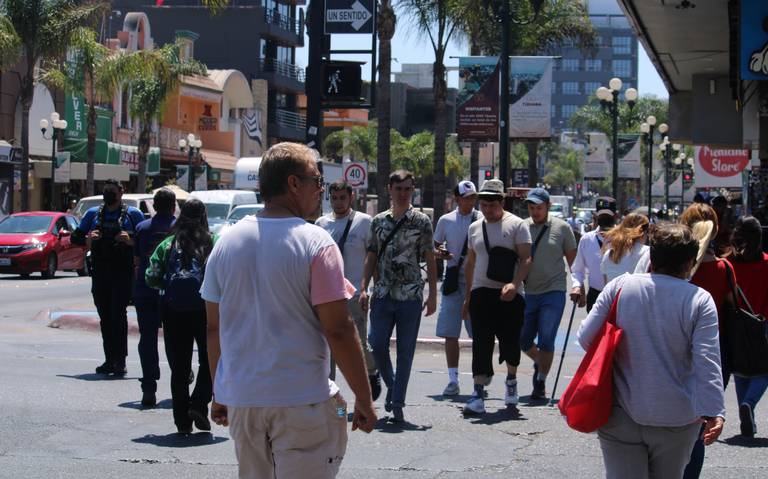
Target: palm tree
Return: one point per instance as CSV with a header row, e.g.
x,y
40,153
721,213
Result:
x,y
386,22
45,29
157,75
10,44
95,73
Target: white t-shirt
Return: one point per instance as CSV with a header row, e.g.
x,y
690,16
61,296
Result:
x,y
355,247
509,232
452,228
626,264
266,274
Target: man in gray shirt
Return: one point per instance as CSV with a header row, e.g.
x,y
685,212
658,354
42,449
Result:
x,y
351,230
545,286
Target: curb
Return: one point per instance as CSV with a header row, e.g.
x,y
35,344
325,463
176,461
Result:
x,y
89,321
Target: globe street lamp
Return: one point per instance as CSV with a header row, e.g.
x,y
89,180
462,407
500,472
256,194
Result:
x,y
500,10
648,128
59,126
192,145
609,100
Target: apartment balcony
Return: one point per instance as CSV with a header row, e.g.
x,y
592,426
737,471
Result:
x,y
284,28
287,125
282,76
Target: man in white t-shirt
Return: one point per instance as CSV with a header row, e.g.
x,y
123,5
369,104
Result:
x,y
451,243
276,300
351,230
498,261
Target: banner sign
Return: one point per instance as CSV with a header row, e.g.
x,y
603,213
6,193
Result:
x,y
74,113
753,49
477,110
201,178
530,97
719,168
62,172
629,156
596,164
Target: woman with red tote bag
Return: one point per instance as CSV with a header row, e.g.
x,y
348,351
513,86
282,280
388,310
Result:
x,y
665,369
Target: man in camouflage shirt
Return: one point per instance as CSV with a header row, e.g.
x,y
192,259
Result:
x,y
401,238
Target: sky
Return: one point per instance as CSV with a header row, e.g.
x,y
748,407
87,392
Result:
x,y
409,47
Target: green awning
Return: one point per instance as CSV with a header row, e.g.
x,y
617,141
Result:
x,y
113,154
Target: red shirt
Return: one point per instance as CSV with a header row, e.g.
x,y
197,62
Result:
x,y
752,278
711,276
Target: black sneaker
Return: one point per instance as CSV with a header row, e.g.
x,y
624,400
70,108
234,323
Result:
x,y
375,380
747,418
184,430
201,420
105,368
148,400
118,370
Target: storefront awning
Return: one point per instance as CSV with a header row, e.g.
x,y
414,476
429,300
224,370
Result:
x,y
219,160
111,153
101,171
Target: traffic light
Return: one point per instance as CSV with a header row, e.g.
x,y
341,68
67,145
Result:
x,y
488,174
578,186
687,180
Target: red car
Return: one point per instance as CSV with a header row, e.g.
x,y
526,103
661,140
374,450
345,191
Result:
x,y
39,241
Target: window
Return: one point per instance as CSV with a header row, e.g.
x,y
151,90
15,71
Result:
x,y
571,65
622,68
284,54
281,100
552,111
570,88
592,65
569,110
599,41
554,87
591,87
621,45
263,50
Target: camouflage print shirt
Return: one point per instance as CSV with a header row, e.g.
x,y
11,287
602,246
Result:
x,y
399,274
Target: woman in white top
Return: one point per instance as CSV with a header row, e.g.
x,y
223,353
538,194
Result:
x,y
624,246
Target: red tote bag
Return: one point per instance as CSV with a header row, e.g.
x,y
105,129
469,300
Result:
x,y
588,399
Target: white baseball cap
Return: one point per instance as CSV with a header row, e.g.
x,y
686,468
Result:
x,y
466,188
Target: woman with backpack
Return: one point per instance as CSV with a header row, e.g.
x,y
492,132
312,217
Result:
x,y
176,268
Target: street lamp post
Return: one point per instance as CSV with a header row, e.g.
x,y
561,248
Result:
x,y
668,148
502,14
682,162
192,145
58,125
647,128
609,100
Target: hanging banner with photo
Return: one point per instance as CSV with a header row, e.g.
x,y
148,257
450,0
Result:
x,y
629,156
477,103
62,172
596,165
201,177
719,168
530,97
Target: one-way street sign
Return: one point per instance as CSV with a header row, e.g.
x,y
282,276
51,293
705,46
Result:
x,y
349,16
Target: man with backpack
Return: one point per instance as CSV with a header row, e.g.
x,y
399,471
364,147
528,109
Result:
x,y
108,230
149,234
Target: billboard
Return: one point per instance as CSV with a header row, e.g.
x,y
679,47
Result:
x,y
629,156
477,110
719,168
753,50
596,164
530,97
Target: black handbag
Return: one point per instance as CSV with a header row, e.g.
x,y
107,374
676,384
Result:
x,y
501,261
744,341
451,276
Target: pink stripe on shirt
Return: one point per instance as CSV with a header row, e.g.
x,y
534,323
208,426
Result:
x,y
327,282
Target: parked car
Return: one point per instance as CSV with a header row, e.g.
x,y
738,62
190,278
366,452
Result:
x,y
242,211
40,241
220,203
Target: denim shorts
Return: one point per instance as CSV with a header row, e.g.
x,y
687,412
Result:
x,y
543,313
449,318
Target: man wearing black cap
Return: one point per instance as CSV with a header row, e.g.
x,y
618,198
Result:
x,y
589,255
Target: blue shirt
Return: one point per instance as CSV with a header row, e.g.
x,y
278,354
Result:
x,y
91,219
149,234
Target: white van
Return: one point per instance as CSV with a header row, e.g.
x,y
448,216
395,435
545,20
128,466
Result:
x,y
219,203
247,173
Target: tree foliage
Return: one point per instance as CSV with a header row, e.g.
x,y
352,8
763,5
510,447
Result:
x,y
564,168
592,116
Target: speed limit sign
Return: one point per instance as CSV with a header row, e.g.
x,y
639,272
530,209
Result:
x,y
355,174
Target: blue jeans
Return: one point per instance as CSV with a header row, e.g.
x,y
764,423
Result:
x,y
750,390
386,315
148,317
543,313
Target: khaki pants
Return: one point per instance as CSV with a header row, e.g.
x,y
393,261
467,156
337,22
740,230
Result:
x,y
305,442
633,451
361,323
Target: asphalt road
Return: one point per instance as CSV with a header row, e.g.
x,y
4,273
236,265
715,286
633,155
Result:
x,y
61,420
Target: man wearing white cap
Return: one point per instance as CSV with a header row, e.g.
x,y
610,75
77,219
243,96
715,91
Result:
x,y
451,236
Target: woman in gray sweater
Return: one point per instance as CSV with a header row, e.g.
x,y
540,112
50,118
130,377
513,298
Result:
x,y
667,377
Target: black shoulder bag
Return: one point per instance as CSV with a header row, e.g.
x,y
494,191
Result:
x,y
344,235
501,261
743,335
451,278
538,239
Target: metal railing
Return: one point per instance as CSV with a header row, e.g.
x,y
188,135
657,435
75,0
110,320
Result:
x,y
290,119
269,65
284,22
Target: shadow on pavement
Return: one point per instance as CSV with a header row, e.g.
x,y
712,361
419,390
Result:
x,y
510,413
164,404
96,377
526,400
742,441
459,398
386,425
175,439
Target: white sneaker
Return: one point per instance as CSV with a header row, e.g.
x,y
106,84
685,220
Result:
x,y
510,395
452,389
475,405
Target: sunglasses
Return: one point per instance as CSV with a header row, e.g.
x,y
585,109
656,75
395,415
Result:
x,y
319,180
